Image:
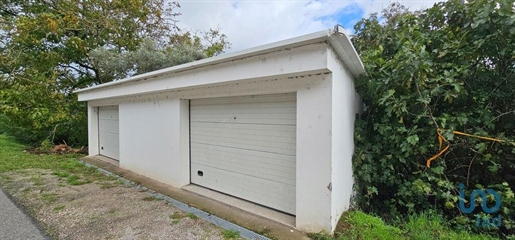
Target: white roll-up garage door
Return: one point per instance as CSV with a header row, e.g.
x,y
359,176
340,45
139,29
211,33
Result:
x,y
245,147
108,137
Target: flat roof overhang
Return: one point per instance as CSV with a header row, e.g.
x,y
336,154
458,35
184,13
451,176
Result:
x,y
335,37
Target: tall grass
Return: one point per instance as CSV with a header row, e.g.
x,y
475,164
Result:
x,y
429,225
13,157
424,226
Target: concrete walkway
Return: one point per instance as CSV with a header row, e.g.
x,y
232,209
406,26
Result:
x,y
14,223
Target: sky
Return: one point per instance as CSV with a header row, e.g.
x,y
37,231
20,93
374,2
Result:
x,y
250,23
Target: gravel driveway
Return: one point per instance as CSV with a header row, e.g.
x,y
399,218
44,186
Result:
x,y
102,209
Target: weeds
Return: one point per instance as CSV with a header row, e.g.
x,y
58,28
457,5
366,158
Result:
x,y
230,234
61,174
76,180
192,216
150,198
37,181
176,215
63,165
59,208
49,197
358,225
106,185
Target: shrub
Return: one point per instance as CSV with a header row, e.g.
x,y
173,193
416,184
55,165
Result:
x,y
447,68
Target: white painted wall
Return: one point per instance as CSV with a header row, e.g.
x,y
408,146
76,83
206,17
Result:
x,y
150,139
92,130
344,108
183,163
314,156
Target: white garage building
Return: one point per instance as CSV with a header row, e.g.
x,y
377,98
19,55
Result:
x,y
272,125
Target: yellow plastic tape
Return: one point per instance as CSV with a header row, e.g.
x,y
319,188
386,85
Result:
x,y
442,139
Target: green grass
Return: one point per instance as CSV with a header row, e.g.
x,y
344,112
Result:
x,y
12,158
76,180
150,198
49,197
61,174
230,234
59,208
358,225
64,166
191,216
106,185
434,226
36,180
176,215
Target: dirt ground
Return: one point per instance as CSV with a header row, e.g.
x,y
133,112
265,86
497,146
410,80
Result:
x,y
102,209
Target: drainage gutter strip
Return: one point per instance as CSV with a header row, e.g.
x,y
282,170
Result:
x,y
245,233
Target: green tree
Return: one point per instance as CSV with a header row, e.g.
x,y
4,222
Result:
x,y
150,55
48,47
449,67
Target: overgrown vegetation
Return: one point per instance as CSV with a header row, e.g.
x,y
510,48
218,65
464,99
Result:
x,y
13,157
176,217
191,216
359,225
150,198
230,234
447,68
48,49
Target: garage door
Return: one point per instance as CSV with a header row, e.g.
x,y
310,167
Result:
x,y
108,138
245,147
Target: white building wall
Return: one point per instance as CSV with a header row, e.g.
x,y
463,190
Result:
x,y
344,108
92,130
314,156
183,168
150,139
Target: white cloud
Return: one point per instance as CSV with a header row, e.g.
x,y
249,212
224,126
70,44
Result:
x,y
249,23
377,5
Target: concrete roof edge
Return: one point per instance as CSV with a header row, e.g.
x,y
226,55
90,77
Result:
x,y
336,37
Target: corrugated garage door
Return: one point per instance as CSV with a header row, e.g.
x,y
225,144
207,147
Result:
x,y
245,147
108,137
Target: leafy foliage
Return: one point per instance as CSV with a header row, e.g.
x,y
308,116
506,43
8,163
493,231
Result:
x,y
148,57
449,67
50,48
